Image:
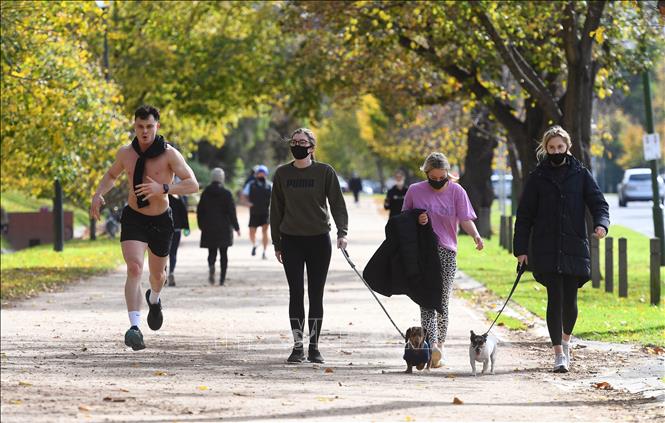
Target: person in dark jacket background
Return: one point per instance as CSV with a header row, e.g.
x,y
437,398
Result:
x,y
216,216
355,186
551,214
395,195
178,206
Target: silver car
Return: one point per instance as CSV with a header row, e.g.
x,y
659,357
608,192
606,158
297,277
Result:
x,y
636,186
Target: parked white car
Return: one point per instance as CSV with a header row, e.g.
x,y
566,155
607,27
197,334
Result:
x,y
508,184
636,186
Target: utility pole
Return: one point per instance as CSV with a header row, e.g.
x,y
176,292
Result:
x,y
653,161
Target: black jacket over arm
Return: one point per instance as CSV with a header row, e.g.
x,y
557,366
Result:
x,y
551,215
407,262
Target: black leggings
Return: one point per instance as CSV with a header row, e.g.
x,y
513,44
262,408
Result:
x,y
223,260
173,252
561,306
313,251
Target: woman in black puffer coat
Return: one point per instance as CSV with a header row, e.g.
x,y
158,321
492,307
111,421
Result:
x,y
551,216
216,216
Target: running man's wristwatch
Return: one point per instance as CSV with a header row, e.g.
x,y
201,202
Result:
x,y
166,188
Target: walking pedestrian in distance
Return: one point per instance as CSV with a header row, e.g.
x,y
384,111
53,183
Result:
x,y
147,222
551,213
355,185
446,205
257,195
216,216
301,235
180,226
395,195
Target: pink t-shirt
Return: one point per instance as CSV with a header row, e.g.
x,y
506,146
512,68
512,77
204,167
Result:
x,y
445,209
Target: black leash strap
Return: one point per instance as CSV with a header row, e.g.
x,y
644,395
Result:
x,y
520,271
353,266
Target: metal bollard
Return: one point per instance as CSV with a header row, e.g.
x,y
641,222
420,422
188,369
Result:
x,y
58,219
609,264
654,248
623,267
502,232
595,262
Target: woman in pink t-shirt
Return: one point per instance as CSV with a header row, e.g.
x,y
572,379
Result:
x,y
447,205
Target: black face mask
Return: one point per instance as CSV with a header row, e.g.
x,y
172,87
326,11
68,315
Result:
x,y
299,152
437,184
261,179
557,158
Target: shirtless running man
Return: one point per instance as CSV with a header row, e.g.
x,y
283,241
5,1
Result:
x,y
147,223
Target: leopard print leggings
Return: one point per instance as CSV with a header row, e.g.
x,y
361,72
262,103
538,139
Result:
x,y
436,324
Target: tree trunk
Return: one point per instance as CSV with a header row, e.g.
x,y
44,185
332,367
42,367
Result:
x,y
478,170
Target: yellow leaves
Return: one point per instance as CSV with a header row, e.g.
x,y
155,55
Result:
x,y
202,388
159,373
598,34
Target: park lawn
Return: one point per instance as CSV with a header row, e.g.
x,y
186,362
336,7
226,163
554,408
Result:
x,y
19,202
27,272
602,316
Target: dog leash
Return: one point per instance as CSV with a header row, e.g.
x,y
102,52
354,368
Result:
x,y
520,271
353,266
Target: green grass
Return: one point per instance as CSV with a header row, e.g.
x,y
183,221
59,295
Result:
x,y
37,269
20,202
602,316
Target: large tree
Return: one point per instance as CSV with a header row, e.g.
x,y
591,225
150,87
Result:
x,y
531,64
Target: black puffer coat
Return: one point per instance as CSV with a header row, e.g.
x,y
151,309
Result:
x,y
407,262
551,215
216,216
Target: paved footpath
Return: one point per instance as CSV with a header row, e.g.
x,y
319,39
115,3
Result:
x,y
221,355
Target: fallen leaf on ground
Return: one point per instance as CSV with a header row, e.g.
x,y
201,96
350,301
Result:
x,y
84,349
84,408
408,419
655,350
346,352
457,401
240,394
602,385
16,402
449,376
202,388
159,373
328,370
324,399
111,399
340,383
123,390
21,383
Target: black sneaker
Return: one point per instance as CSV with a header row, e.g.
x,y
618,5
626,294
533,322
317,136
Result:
x,y
314,355
297,356
134,339
155,317
254,250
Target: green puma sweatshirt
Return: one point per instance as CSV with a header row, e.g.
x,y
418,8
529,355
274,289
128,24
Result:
x,y
298,202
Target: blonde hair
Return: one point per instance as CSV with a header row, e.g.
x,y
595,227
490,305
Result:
x,y
437,160
552,132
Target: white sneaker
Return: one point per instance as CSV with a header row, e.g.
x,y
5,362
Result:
x,y
566,352
560,364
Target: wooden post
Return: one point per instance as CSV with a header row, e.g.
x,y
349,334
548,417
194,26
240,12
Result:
x,y
502,232
595,262
509,235
654,248
483,223
609,264
58,219
623,267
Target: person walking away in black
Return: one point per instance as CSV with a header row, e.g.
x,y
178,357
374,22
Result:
x,y
180,226
552,213
301,235
395,195
257,195
216,216
355,186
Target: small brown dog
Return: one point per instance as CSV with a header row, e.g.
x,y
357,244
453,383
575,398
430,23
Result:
x,y
417,351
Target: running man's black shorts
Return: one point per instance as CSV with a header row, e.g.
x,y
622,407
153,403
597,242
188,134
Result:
x,y
256,220
156,231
